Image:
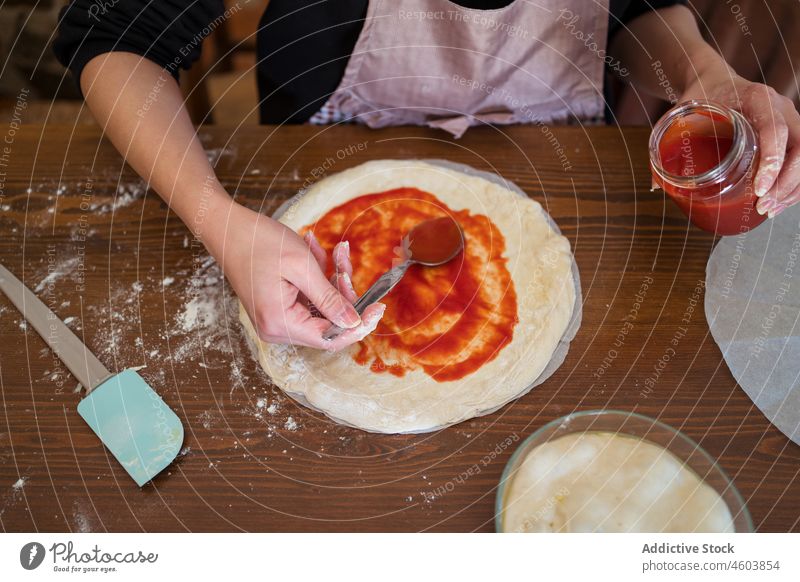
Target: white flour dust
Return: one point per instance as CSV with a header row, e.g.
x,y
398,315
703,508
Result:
x,y
200,312
15,495
204,329
201,333
56,270
206,324
215,154
88,198
81,517
198,338
127,194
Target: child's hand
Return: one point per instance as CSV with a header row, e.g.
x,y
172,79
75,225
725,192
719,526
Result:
x,y
279,277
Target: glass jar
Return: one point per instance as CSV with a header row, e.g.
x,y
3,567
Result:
x,y
704,155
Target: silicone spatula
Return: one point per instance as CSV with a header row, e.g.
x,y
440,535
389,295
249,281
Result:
x,y
126,414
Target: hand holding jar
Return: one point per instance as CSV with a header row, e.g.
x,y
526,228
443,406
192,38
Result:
x,y
775,121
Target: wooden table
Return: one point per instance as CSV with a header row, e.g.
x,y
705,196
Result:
x,y
141,292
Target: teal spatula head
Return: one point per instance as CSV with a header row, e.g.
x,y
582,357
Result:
x,y
134,423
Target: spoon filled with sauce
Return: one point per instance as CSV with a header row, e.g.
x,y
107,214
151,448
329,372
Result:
x,y
431,243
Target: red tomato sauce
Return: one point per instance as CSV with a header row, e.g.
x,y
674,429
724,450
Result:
x,y
696,146
699,143
448,320
434,241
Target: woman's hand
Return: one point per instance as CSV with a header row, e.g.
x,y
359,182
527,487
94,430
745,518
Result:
x,y
775,120
279,277
274,272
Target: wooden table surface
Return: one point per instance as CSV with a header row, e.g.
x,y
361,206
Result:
x,y
77,225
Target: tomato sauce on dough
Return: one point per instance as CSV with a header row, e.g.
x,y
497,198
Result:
x,y
448,320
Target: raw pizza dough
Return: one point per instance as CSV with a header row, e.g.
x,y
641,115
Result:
x,y
604,482
538,259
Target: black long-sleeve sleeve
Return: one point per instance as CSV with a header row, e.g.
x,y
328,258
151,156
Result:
x,y
621,12
168,32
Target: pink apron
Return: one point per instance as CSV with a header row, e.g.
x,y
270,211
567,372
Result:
x,y
432,62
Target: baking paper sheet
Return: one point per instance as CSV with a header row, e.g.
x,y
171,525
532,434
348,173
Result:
x,y
559,354
753,306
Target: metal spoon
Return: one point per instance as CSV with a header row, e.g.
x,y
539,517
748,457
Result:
x,y
431,243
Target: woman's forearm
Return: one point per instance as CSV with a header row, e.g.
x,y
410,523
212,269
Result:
x,y
665,52
140,108
271,269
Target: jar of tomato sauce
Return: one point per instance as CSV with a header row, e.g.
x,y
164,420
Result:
x,y
704,156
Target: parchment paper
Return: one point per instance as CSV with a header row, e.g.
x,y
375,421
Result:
x,y
559,354
753,309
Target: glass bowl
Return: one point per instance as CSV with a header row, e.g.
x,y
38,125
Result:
x,y
639,426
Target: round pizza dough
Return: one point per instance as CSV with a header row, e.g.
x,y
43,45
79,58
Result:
x,y
540,264
606,482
